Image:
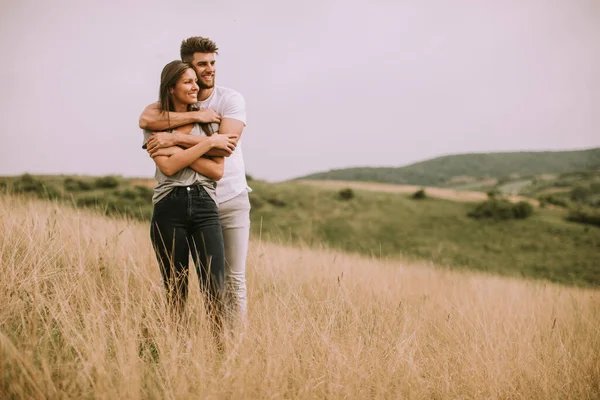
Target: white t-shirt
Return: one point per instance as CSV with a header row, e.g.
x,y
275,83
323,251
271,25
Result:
x,y
229,104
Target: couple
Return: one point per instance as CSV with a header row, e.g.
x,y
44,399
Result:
x,y
192,215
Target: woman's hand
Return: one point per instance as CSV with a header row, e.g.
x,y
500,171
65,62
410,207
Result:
x,y
160,140
224,142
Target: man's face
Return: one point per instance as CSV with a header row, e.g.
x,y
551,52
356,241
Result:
x,y
204,64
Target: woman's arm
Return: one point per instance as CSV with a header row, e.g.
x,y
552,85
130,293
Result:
x,y
181,159
211,167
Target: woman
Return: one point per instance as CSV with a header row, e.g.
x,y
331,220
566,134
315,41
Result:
x,y
185,218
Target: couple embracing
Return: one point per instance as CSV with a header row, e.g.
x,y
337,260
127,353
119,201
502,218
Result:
x,y
201,206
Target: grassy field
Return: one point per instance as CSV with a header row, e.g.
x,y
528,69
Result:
x,y
83,317
442,193
394,225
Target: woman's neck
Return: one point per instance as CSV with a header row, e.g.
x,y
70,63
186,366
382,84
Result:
x,y
180,107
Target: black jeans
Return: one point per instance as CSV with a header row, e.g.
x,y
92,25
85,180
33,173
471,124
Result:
x,y
187,221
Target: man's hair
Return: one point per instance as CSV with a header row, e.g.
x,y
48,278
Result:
x,y
196,44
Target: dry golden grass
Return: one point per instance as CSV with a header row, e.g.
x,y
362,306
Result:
x,y
448,194
83,317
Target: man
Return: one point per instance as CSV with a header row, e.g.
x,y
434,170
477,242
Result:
x,y
223,109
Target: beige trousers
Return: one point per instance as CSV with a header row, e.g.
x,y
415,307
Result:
x,y
235,221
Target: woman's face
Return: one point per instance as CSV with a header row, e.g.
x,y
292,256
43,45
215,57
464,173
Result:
x,y
186,89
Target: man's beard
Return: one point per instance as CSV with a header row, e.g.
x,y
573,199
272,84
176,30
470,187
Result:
x,y
203,85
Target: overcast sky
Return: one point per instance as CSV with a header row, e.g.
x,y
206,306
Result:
x,y
328,84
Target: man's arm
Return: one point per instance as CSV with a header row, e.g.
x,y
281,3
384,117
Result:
x,y
234,116
155,119
232,128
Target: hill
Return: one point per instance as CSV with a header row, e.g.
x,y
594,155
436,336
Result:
x,y
83,316
441,170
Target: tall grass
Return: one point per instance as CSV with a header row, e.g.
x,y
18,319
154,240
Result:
x,y
83,316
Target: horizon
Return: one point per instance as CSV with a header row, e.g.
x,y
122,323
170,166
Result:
x,y
416,82
334,169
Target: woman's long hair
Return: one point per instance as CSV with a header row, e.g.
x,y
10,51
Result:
x,y
168,79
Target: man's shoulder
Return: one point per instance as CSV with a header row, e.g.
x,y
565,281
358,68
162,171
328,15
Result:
x,y
227,92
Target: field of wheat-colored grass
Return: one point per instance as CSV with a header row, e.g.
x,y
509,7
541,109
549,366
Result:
x,y
83,317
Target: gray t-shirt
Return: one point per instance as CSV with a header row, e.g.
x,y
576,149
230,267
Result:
x,y
184,177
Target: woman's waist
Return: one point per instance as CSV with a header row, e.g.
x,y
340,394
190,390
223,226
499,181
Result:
x,y
185,177
193,188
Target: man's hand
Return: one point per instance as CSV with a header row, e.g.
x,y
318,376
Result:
x,y
207,116
226,143
160,140
167,151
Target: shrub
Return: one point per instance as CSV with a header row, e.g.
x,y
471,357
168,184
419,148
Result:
x,y
144,192
88,201
419,194
77,185
129,194
522,210
276,202
346,194
501,209
492,209
543,203
249,177
107,182
493,193
580,194
583,216
554,200
28,184
256,202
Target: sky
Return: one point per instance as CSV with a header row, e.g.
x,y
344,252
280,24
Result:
x,y
327,83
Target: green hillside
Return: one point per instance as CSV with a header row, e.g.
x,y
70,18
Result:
x,y
543,246
440,170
